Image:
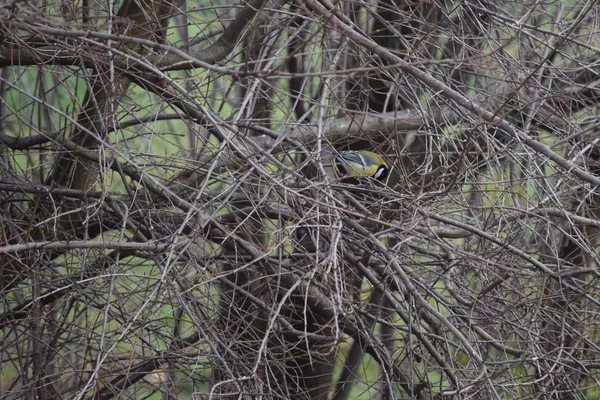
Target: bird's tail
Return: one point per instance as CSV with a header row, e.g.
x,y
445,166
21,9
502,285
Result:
x,y
328,150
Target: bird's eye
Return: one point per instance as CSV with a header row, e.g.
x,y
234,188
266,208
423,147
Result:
x,y
381,173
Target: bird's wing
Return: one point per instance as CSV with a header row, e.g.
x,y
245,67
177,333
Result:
x,y
351,157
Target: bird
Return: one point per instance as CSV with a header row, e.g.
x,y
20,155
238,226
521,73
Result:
x,y
359,164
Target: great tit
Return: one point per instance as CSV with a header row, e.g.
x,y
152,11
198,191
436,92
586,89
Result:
x,y
359,165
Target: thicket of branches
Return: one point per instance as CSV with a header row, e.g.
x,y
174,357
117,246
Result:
x,y
167,232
